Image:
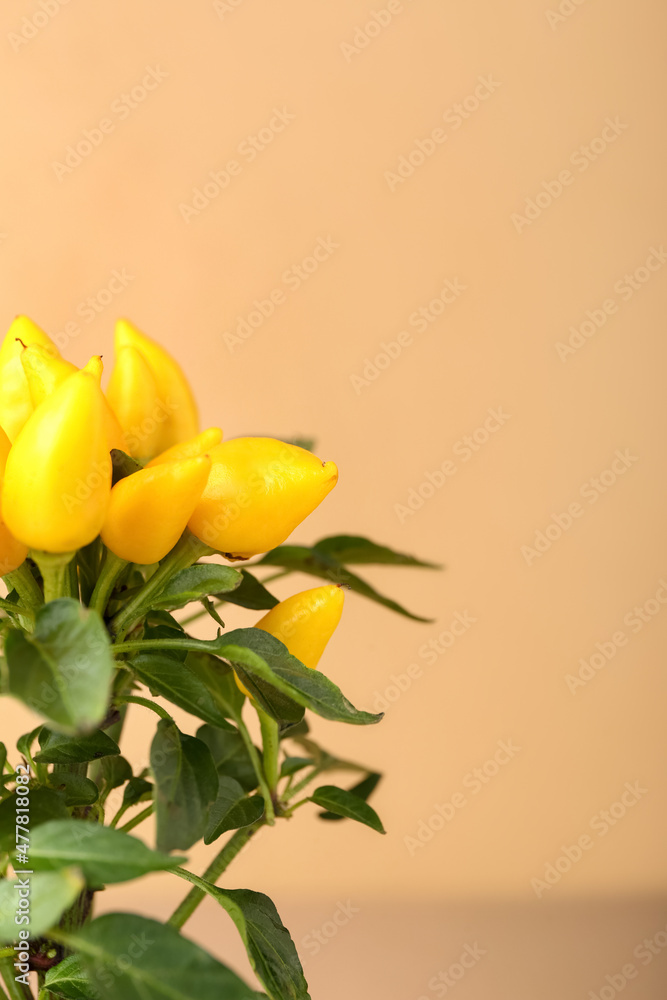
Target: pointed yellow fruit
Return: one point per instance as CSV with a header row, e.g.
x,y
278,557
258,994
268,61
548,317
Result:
x,y
15,402
44,371
133,396
12,552
306,621
199,445
150,509
58,475
179,420
115,435
258,491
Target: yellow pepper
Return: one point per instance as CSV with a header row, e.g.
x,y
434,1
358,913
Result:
x,y
15,402
12,552
305,622
176,415
44,371
115,435
149,510
58,475
133,396
199,445
258,491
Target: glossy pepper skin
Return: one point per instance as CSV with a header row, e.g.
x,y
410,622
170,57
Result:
x,y
44,371
15,402
177,419
12,552
58,474
115,435
199,445
149,510
258,491
133,396
305,622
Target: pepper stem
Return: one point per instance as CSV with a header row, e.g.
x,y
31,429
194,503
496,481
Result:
x,y
112,567
55,570
271,746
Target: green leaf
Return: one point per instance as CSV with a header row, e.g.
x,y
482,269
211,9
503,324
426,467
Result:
x,y
229,755
63,669
348,805
25,742
45,805
51,893
263,657
292,765
196,582
186,783
250,594
155,618
267,941
356,549
68,980
232,809
163,963
115,771
137,790
55,748
102,853
123,465
362,789
300,559
218,678
3,757
174,680
77,790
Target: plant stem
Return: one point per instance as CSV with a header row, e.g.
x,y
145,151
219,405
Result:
x,y
54,568
136,700
186,551
269,813
112,567
271,745
220,862
136,820
15,991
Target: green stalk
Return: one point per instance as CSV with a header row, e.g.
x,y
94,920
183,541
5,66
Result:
x,y
112,567
186,551
15,991
220,862
54,567
269,813
136,820
271,745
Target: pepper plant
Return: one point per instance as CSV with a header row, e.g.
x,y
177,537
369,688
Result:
x,y
112,506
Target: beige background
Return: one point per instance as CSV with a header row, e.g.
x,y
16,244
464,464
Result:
x,y
220,71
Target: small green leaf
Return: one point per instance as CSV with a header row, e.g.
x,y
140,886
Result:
x,y
77,790
45,805
68,980
55,748
195,582
186,783
356,549
172,678
137,790
115,771
362,790
250,594
218,678
102,853
51,893
267,941
300,559
347,804
292,765
229,755
232,809
123,465
63,669
164,965
25,742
